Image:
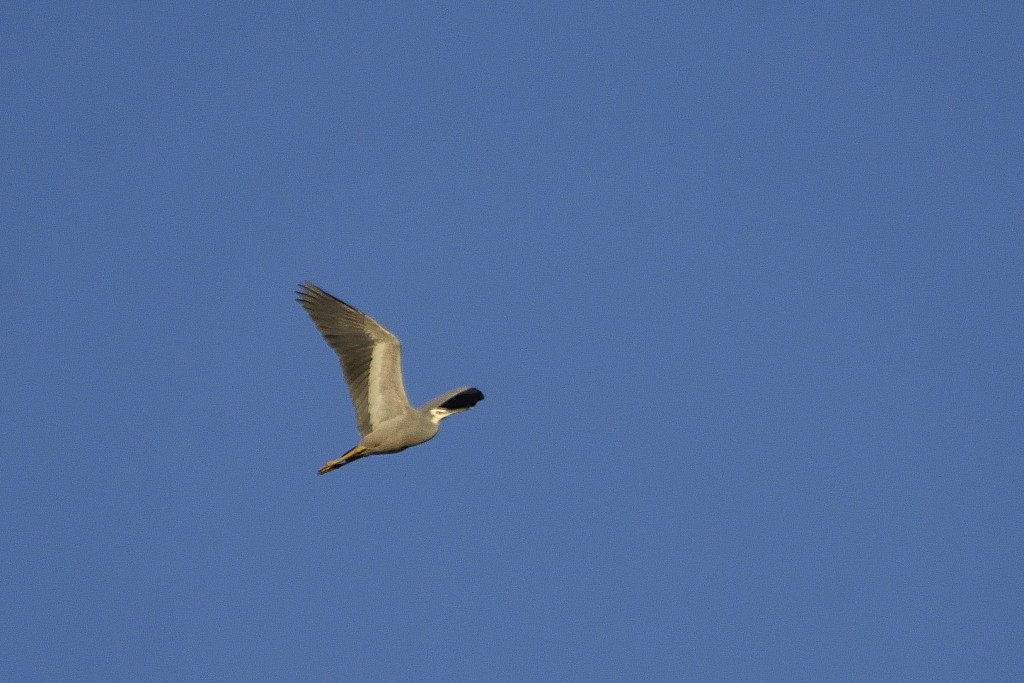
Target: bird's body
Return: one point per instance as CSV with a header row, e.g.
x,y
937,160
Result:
x,y
401,432
371,358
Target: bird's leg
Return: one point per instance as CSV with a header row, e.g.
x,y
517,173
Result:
x,y
354,454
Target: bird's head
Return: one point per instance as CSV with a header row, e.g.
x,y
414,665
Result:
x,y
455,401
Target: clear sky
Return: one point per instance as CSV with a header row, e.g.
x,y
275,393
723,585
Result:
x,y
743,284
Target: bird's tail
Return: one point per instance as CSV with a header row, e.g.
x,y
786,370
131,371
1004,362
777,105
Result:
x,y
352,455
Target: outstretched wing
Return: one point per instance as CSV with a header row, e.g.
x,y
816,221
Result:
x,y
371,357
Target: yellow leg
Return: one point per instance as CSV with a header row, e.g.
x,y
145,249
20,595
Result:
x,y
354,454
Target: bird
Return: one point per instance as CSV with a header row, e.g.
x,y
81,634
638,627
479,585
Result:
x,y
371,359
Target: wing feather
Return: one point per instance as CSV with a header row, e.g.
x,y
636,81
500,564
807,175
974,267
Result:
x,y
371,357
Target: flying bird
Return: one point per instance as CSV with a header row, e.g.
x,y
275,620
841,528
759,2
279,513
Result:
x,y
371,358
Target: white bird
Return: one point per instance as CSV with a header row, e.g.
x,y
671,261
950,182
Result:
x,y
371,358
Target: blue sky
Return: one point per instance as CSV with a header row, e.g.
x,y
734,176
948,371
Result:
x,y
742,284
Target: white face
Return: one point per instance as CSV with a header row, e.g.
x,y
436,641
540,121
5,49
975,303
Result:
x,y
438,414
